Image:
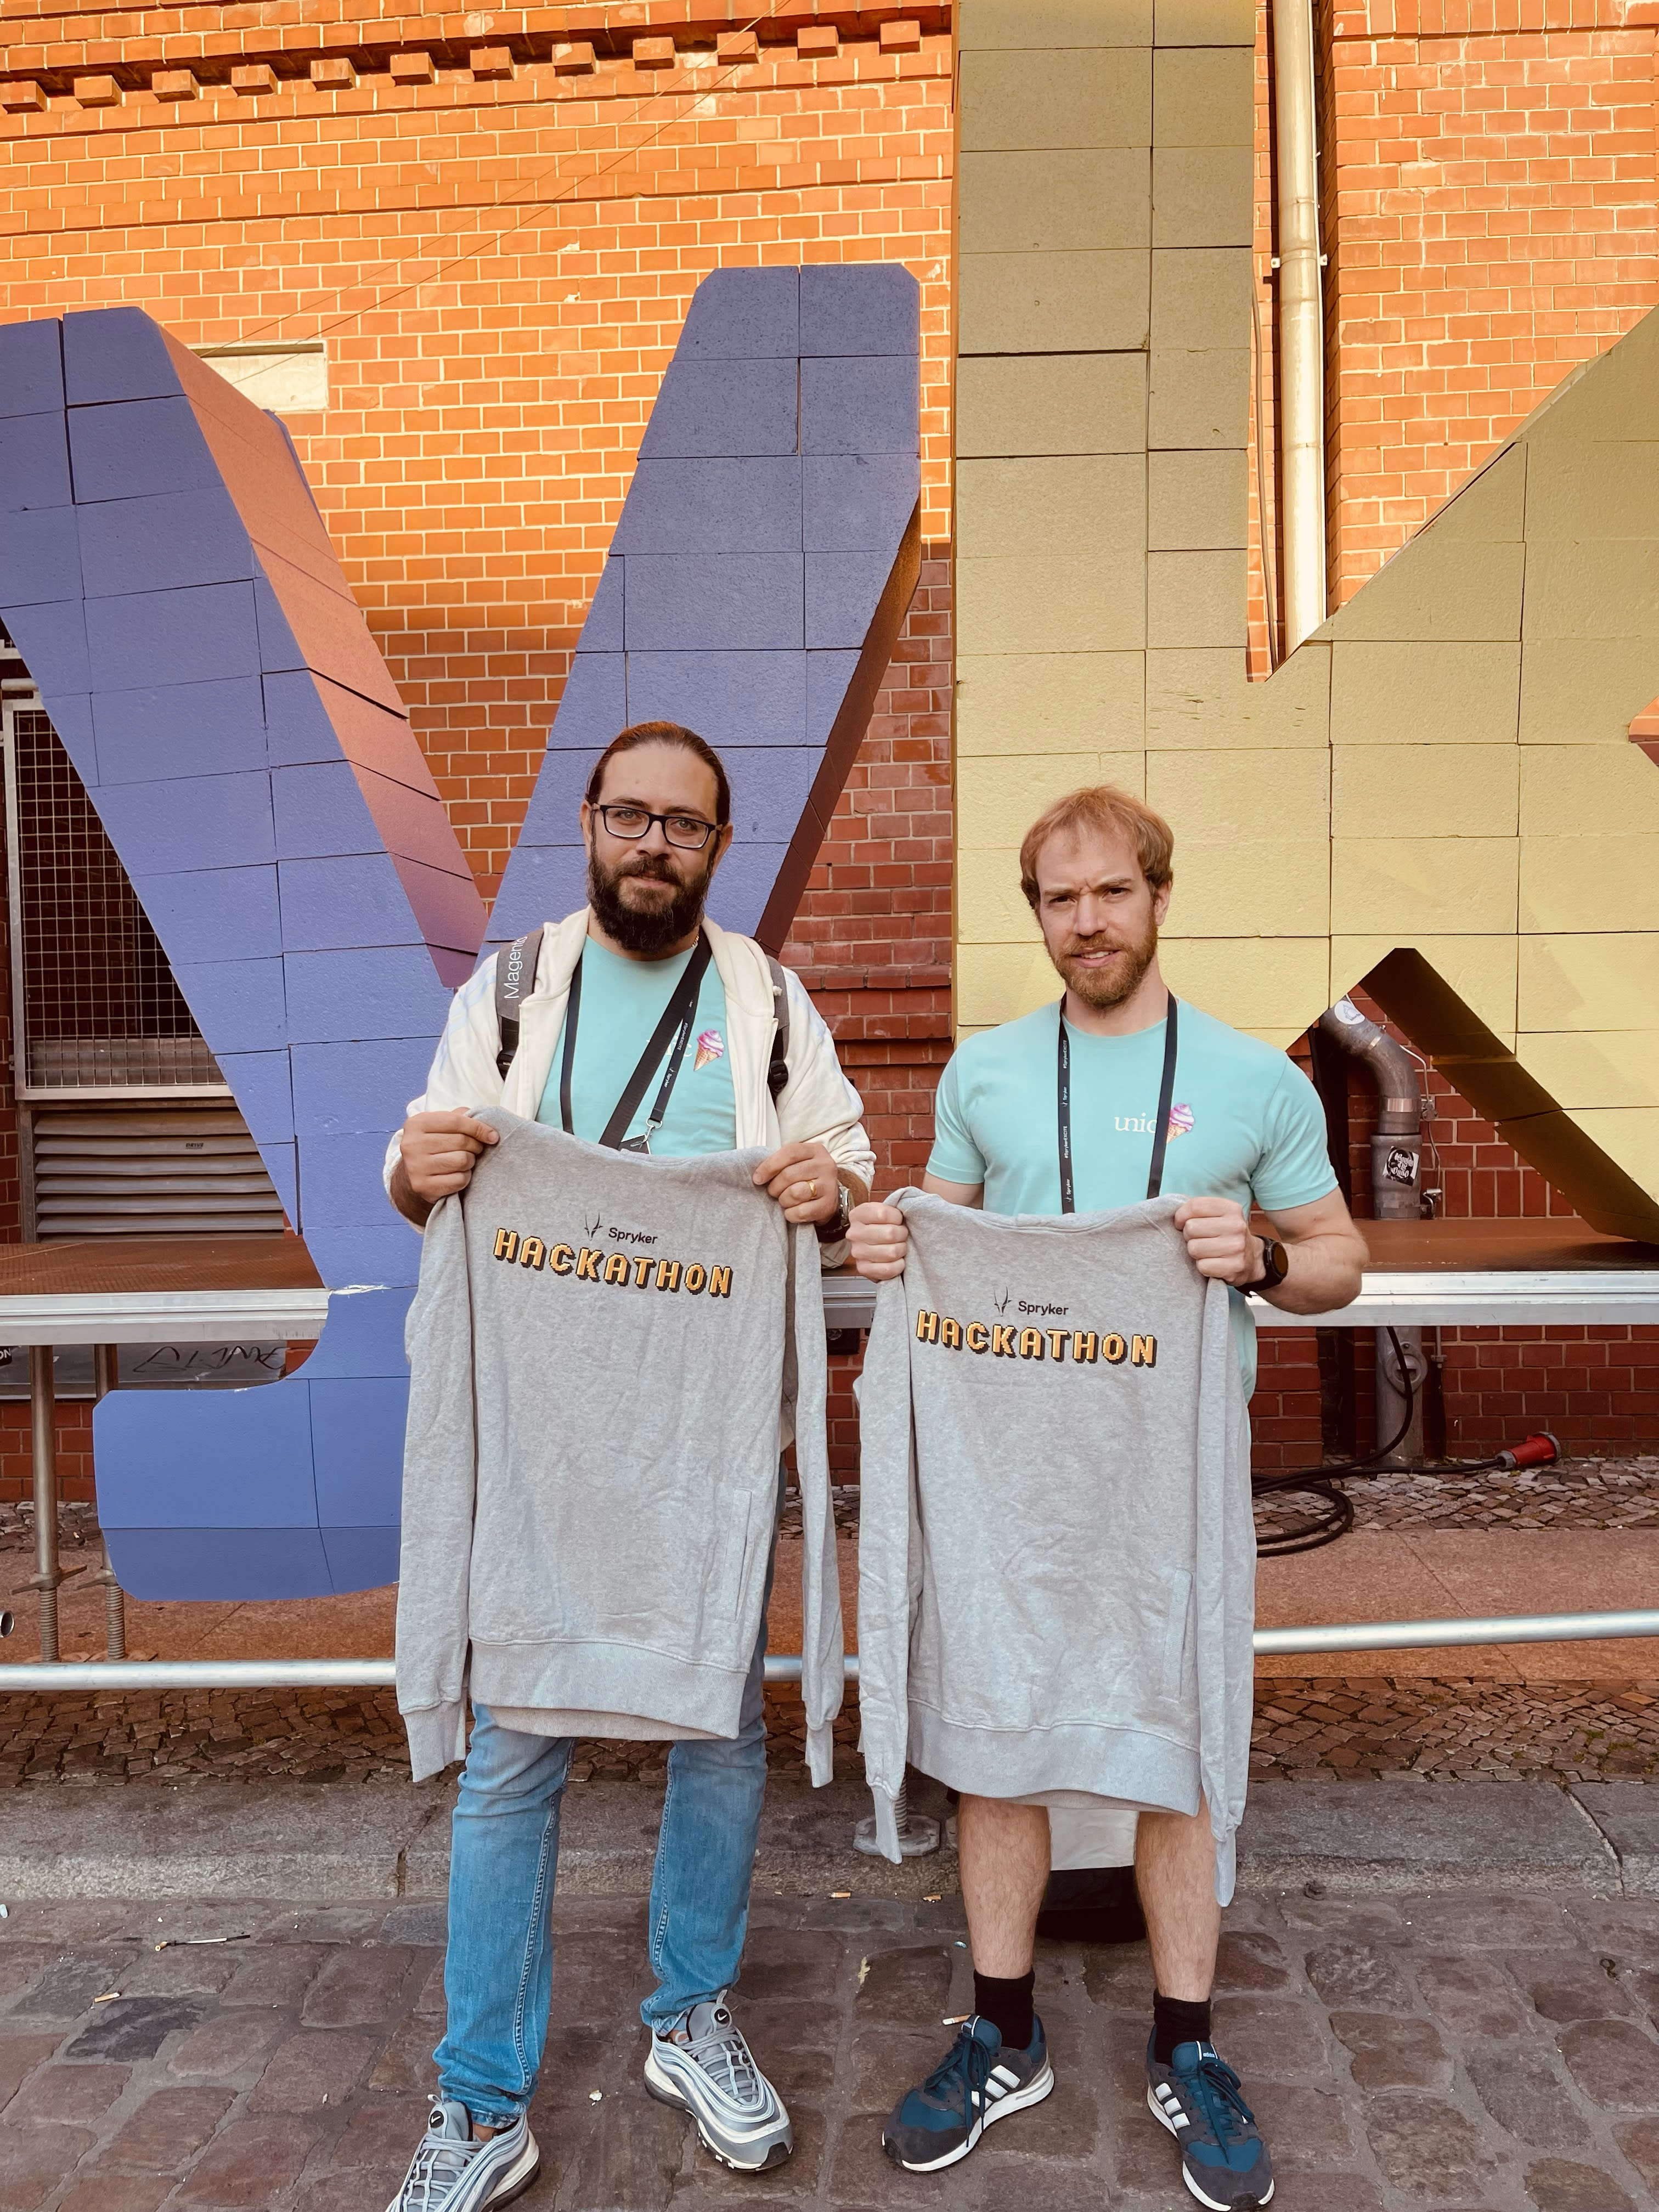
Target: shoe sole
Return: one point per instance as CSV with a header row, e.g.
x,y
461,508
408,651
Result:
x,y
660,2088
518,2182
1017,2100
1215,2204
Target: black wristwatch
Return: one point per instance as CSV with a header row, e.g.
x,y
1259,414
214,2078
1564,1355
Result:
x,y
832,1231
1275,1264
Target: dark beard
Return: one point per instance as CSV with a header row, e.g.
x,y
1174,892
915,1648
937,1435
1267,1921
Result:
x,y
647,934
1102,991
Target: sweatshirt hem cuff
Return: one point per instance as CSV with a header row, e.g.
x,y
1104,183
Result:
x,y
821,1754
437,1736
887,1841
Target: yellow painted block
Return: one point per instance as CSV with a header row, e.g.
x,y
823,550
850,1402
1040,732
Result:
x,y
998,799
1205,22
1088,403
1595,884
1197,501
1584,692
1629,1136
1010,303
1204,96
1026,101
1199,400
1242,794
1577,489
1491,509
1570,791
1250,888
1603,981
1261,984
1078,703
1203,699
1004,26
1202,196
1055,605
991,907
1595,588
1057,202
1397,791
1424,694
1438,588
1195,599
1202,299
1434,886
1088,503
1594,1068
1000,982
1481,971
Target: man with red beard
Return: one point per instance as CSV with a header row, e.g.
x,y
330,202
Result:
x,y
637,996
1058,1113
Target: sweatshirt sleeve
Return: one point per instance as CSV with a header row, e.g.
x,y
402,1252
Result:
x,y
463,1070
821,1641
1222,1586
884,1478
440,1475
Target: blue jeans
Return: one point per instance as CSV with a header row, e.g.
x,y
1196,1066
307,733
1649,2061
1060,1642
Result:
x,y
504,1854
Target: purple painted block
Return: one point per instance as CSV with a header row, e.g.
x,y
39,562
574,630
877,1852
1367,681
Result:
x,y
330,631
171,824
245,1565
225,1468
842,591
388,1256
860,406
239,1004
35,469
281,1165
365,1085
279,649
594,705
445,902
40,559
769,785
717,602
396,992
163,541
52,640
544,883
743,314
297,725
30,367
733,408
140,447
195,916
197,636
112,354
364,1336
712,506
264,1085
360,1559
320,812
858,502
869,307
338,904
553,816
343,1183
828,675
357,1444
71,718
743,885
179,729
731,699
601,632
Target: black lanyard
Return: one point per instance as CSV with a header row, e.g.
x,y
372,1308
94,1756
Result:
x,y
1161,1132
679,1014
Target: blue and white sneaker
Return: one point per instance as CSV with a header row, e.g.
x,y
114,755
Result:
x,y
453,2172
1224,2160
975,2082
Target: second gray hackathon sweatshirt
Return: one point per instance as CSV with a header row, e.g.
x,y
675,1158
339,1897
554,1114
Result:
x,y
1056,1550
599,1351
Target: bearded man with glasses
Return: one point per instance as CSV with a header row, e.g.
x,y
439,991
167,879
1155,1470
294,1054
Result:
x,y
656,822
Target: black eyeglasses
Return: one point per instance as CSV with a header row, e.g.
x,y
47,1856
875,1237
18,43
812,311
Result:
x,y
685,831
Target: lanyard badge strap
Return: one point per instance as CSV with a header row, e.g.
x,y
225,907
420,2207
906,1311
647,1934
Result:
x,y
678,1019
1161,1128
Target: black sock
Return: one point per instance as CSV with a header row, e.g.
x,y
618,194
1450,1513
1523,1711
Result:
x,y
1177,2019
1007,2006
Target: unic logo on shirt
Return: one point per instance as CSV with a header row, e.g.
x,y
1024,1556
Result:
x,y
1087,1347
637,1270
1182,1120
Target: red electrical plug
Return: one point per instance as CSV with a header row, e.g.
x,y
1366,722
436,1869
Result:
x,y
1540,1449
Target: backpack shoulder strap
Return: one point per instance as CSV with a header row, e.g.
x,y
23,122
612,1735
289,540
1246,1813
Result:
x,y
515,979
777,1074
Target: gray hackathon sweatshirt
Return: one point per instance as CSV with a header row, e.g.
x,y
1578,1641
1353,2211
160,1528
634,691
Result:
x,y
1056,1551
600,1349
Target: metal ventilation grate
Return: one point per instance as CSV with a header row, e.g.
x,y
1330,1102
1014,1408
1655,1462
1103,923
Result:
x,y
123,1170
101,1009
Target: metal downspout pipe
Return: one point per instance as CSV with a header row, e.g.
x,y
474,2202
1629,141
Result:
x,y
1301,323
1397,1195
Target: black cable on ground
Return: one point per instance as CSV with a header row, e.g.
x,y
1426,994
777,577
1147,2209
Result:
x,y
1334,1517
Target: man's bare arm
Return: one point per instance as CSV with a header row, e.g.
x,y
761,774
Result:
x,y
1326,1253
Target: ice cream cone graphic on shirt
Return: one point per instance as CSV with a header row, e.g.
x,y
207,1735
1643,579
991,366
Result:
x,y
711,1045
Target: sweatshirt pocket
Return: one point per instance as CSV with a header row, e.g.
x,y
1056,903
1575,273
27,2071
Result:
x,y
1177,1626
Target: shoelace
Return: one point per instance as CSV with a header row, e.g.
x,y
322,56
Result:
x,y
439,2164
964,2069
723,2055
1218,2091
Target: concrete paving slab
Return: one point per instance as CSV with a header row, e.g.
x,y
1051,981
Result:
x,y
1357,1837
1627,1815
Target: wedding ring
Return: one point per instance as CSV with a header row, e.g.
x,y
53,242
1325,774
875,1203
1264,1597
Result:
x,y
813,1188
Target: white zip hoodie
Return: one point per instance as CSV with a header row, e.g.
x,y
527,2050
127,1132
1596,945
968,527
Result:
x,y
818,1104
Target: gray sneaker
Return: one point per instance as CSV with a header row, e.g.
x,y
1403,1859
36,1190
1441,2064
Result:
x,y
702,2066
453,2172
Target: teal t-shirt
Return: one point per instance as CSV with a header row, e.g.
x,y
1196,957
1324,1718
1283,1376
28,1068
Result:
x,y
1244,1123
621,1002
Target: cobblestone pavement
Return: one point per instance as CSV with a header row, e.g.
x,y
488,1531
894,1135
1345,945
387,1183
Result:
x,y
1485,2054
1573,1493
1477,1728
